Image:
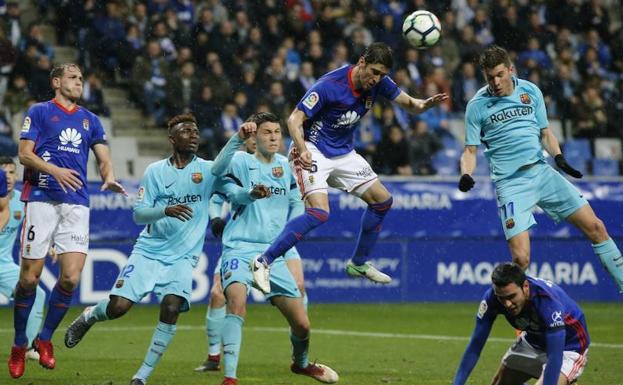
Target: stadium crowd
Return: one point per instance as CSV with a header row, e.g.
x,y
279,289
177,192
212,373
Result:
x,y
225,59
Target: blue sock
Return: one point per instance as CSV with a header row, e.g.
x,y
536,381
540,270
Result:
x,y
24,301
60,299
232,339
215,320
33,326
371,221
611,258
300,347
159,342
294,231
98,312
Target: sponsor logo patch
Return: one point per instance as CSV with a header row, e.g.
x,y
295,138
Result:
x,y
197,177
26,125
557,320
278,172
525,98
482,309
85,124
510,223
227,275
368,102
141,193
119,284
311,100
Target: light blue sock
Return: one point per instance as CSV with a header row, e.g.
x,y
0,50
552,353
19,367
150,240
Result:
x,y
215,320
611,258
300,347
159,342
232,339
98,312
33,326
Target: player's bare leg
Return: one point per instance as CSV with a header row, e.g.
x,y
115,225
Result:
x,y
379,202
507,376
585,219
214,320
519,246
296,269
294,311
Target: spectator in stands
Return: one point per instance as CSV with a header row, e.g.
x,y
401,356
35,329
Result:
x,y
277,100
93,95
11,23
564,89
8,147
140,19
591,119
615,111
219,81
392,156
17,95
182,88
149,78
464,87
229,120
422,146
39,80
110,31
8,57
303,81
35,38
533,57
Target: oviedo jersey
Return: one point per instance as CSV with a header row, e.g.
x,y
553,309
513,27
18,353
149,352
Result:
x,y
9,232
259,222
508,126
548,307
170,239
333,108
63,138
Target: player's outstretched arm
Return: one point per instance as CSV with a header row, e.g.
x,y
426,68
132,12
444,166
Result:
x,y
221,163
473,350
241,196
468,165
555,340
66,178
295,128
102,154
419,105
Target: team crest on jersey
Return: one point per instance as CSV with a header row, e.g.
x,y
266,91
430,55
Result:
x,y
56,118
17,215
525,98
368,102
311,100
85,124
119,283
278,172
197,177
26,125
510,223
27,249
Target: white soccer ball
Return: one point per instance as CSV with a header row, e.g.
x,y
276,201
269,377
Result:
x,y
421,29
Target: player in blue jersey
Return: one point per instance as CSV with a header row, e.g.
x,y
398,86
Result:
x,y
4,204
263,193
553,345
55,140
172,203
508,116
9,271
323,155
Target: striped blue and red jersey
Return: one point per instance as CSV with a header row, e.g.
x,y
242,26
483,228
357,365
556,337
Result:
x,y
62,137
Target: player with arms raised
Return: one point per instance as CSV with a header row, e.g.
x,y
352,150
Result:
x,y
508,116
321,127
54,147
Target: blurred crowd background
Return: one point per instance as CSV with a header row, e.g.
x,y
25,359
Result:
x,y
225,59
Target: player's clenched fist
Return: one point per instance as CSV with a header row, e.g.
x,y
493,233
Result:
x,y
260,191
466,183
181,212
247,130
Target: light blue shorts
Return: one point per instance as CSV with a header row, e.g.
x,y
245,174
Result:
x,y
142,275
290,254
235,268
539,185
9,275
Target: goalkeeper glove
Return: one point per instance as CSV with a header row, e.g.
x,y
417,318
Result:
x,y
466,183
562,164
217,225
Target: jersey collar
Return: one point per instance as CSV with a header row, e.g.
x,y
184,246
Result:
x,y
351,85
72,111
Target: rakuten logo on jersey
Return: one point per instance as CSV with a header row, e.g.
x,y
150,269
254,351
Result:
x,y
70,136
347,119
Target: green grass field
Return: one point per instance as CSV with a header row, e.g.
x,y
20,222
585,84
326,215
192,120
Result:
x,y
414,344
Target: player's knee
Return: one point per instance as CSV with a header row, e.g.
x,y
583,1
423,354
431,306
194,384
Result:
x,y
29,281
169,312
217,298
69,281
301,328
239,309
117,308
597,231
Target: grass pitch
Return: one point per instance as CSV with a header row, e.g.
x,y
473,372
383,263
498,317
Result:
x,y
405,344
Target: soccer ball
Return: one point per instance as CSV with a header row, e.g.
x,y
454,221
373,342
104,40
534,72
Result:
x,y
421,29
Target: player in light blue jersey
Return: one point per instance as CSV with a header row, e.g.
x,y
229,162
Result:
x,y
172,203
508,116
554,340
323,155
55,141
9,271
263,193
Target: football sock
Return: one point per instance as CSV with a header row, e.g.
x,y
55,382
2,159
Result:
x,y
215,319
371,221
59,302
24,300
294,231
98,312
159,342
300,347
36,316
232,339
611,258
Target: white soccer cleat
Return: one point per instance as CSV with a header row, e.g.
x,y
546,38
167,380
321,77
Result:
x,y
367,270
319,372
261,273
32,354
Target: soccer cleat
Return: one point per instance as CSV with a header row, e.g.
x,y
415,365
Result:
x,y
261,274
137,381
368,271
46,353
78,328
17,361
31,354
319,372
211,364
229,381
